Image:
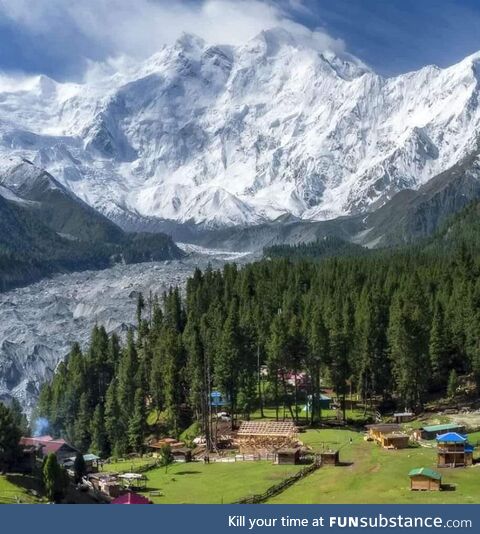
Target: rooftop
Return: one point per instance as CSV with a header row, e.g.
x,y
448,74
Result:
x,y
384,427
441,428
451,437
267,428
47,443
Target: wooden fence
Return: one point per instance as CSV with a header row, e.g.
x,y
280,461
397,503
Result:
x,y
282,486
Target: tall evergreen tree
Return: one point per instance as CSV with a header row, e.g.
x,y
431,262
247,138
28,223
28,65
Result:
x,y
100,442
137,424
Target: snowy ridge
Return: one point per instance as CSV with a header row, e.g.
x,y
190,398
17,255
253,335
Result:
x,y
223,135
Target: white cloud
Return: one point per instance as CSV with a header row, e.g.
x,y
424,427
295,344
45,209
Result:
x,y
138,28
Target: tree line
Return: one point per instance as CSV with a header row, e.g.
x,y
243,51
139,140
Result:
x,y
393,325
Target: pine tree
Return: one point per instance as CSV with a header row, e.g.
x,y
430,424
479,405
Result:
x,y
115,422
140,308
55,479
438,347
19,417
79,468
452,384
137,423
406,338
100,444
317,355
276,351
127,374
82,424
339,363
173,390
228,358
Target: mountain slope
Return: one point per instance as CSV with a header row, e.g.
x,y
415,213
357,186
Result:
x,y
56,206
222,136
45,229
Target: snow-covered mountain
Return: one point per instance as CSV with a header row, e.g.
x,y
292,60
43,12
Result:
x,y
224,135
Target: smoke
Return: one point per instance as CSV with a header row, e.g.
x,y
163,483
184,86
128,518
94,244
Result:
x,y
40,427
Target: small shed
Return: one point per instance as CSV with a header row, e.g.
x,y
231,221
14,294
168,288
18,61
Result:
x,y
395,441
403,417
432,431
425,479
378,430
182,454
287,456
330,457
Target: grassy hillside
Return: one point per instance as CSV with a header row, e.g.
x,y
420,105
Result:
x,y
14,489
375,475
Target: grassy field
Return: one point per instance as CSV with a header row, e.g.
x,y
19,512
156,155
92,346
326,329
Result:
x,y
215,483
13,489
375,475
269,412
127,465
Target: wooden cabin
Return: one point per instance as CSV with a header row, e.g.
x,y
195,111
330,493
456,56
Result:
x,y
46,445
432,431
388,435
377,430
394,441
453,450
403,417
330,457
287,457
425,479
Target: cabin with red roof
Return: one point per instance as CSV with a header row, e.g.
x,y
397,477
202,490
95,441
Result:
x,y
44,445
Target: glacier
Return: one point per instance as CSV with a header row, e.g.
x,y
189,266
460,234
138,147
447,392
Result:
x,y
238,135
40,322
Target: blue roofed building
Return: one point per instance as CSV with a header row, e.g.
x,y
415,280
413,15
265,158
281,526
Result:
x,y
453,450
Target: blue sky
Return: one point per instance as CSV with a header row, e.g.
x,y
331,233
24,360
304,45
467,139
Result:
x,y
61,37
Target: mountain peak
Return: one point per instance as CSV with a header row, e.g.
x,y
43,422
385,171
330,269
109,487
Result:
x,y
244,133
190,42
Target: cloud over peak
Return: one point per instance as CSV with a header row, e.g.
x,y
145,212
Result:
x,y
101,29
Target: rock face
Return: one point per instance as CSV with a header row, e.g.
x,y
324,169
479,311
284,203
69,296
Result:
x,y
222,135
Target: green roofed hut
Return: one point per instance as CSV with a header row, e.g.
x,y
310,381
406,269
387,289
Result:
x,y
425,479
432,431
